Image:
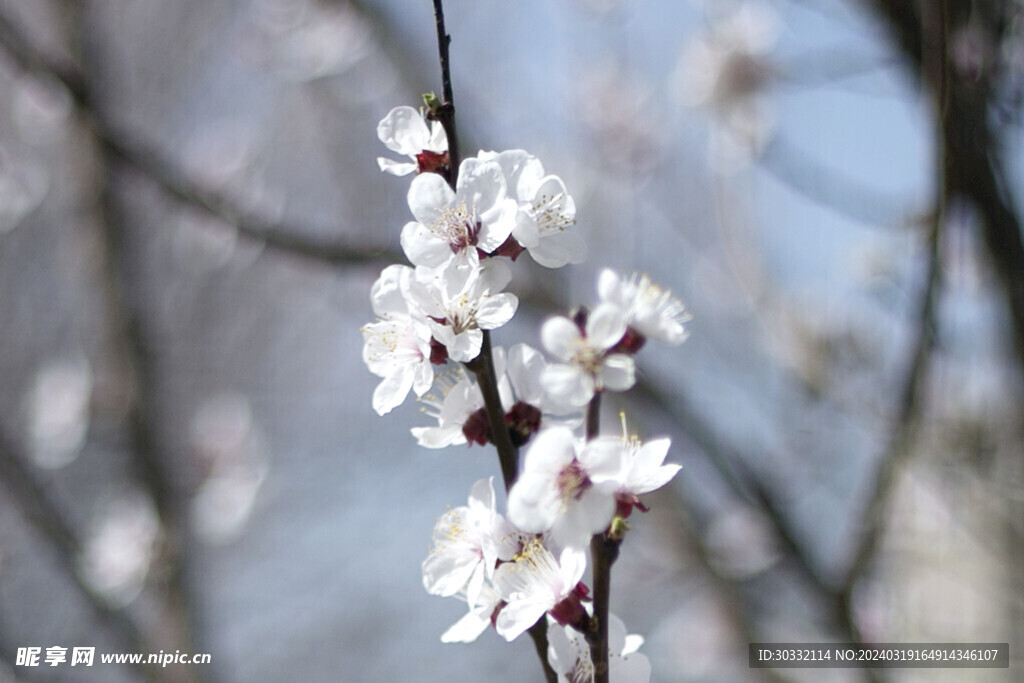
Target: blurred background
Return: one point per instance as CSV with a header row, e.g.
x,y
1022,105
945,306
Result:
x,y
191,218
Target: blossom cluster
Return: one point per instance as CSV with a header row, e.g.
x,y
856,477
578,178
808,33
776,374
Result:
x,y
526,567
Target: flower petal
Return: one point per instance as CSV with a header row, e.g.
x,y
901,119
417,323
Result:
x,y
533,503
403,131
429,194
386,294
462,347
446,573
618,372
495,311
494,276
422,247
559,248
568,383
467,629
438,437
516,617
391,392
396,168
560,336
583,518
605,326
481,184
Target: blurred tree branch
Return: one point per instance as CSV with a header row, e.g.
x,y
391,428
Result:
x,y
826,187
754,492
972,166
45,516
123,147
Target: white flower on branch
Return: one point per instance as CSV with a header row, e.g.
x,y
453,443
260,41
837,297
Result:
x,y
590,362
650,310
544,211
460,302
458,224
405,131
459,409
459,401
397,346
536,582
643,467
468,544
566,488
569,655
477,619
465,549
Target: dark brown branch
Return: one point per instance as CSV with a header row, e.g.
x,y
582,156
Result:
x,y
445,113
539,634
604,550
151,461
483,369
593,418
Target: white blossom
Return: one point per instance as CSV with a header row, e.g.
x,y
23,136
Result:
x,y
588,363
464,550
458,405
566,488
459,400
477,619
569,655
460,302
643,466
405,131
536,582
397,346
477,215
649,309
545,210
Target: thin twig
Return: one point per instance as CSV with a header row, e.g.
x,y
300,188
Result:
x,y
446,112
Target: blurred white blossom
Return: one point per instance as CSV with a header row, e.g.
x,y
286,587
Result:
x,y
569,654
728,70
57,409
120,548
230,448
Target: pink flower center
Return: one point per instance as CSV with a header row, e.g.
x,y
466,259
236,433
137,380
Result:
x,y
458,226
573,481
